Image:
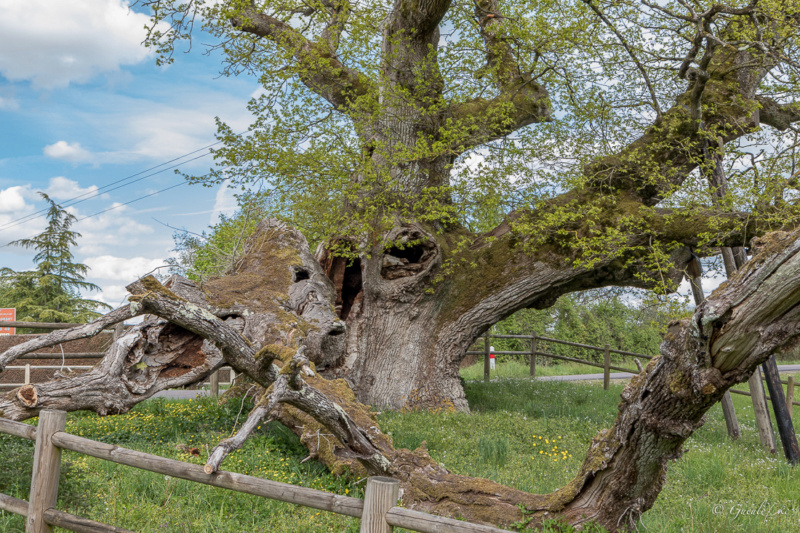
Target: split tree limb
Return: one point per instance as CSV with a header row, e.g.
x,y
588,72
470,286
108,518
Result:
x,y
227,446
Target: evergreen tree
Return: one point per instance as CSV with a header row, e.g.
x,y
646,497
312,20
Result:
x,y
51,292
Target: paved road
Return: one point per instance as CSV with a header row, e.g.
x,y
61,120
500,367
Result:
x,y
186,394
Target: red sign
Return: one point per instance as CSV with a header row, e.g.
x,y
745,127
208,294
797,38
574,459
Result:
x,y
8,315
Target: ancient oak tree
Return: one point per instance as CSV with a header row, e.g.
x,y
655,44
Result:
x,y
457,162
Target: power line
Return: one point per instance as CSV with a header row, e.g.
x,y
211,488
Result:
x,y
104,189
132,201
129,201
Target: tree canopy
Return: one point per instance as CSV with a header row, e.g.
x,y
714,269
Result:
x,y
496,106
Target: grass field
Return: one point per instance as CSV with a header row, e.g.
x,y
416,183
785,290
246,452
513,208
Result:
x,y
531,435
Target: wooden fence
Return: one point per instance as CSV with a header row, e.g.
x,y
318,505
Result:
x,y
213,379
378,511
534,352
535,341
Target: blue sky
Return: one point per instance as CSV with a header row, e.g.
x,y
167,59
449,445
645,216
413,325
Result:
x,y
83,105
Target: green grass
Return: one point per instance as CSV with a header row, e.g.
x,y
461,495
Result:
x,y
516,369
531,435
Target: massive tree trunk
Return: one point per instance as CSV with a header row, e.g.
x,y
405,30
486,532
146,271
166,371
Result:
x,y
419,288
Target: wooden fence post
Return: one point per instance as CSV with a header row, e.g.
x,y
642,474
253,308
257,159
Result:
x,y
534,341
486,357
381,495
27,374
215,384
46,468
790,394
791,448
729,412
606,366
761,411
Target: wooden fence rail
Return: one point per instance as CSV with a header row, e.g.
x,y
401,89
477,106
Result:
x,y
378,511
534,352
606,366
214,382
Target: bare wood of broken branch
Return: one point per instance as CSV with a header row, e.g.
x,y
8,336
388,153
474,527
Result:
x,y
64,335
153,297
229,445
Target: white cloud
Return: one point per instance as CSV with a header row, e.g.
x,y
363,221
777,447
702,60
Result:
x,y
8,103
62,188
112,230
16,221
72,152
13,199
55,43
126,269
113,295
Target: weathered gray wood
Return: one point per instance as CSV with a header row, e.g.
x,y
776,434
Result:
x,y
581,361
427,523
46,468
119,329
27,374
745,393
18,429
13,505
225,447
380,496
79,524
284,492
214,384
606,365
75,355
729,412
486,349
765,432
791,449
534,342
789,394
38,325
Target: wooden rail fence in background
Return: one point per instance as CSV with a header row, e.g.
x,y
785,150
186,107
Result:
x,y
534,351
213,379
378,511
606,366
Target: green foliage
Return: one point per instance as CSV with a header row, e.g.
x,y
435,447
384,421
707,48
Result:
x,y
340,165
493,450
51,292
216,251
